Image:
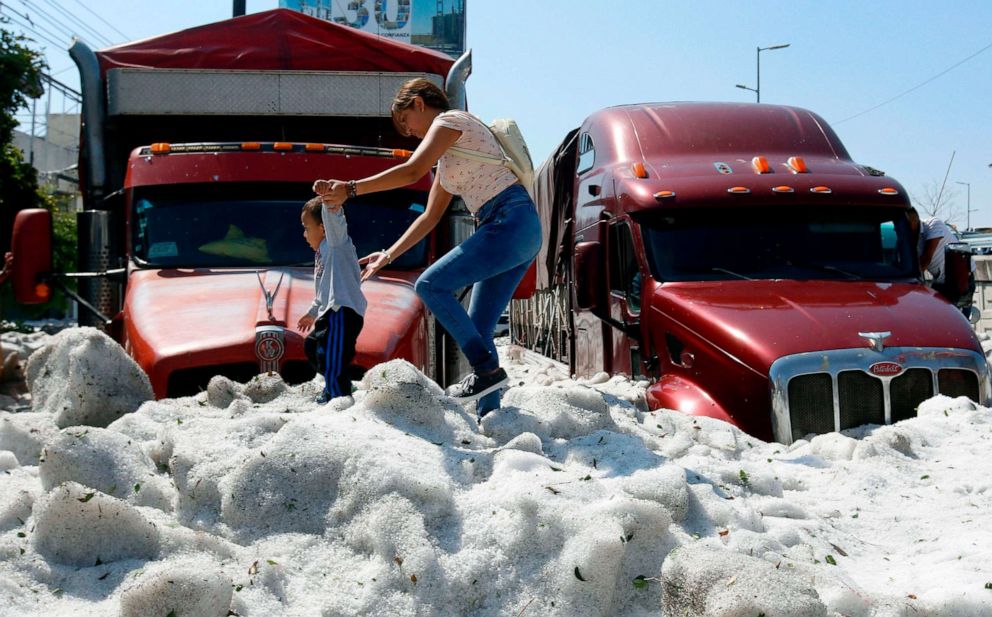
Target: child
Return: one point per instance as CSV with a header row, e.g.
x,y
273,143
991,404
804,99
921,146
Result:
x,y
336,314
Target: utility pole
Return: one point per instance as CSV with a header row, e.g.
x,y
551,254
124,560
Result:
x,y
757,88
967,225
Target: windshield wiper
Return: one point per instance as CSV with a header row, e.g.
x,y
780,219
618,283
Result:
x,y
825,268
731,273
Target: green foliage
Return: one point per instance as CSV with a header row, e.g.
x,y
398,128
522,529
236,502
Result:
x,y
21,73
21,79
21,70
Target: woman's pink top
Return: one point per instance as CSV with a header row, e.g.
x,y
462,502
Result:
x,y
475,181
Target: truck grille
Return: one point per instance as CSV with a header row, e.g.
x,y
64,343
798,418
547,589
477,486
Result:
x,y
827,391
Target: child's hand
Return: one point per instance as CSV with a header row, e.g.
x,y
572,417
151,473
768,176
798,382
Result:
x,y
332,192
305,323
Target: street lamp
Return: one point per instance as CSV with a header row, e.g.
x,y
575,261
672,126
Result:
x,y
757,88
967,225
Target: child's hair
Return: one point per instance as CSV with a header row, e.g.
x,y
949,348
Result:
x,y
313,207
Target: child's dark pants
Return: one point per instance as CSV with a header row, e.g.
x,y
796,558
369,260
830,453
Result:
x,y
331,348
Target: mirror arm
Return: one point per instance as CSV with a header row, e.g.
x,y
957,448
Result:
x,y
55,280
117,274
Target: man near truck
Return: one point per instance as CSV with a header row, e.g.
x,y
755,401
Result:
x,y
934,237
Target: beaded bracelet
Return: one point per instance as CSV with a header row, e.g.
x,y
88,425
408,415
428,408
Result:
x,y
352,189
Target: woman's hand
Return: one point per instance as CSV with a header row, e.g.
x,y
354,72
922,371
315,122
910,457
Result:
x,y
332,192
373,263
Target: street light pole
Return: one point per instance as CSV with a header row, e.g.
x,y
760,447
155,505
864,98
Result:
x,y
757,88
967,225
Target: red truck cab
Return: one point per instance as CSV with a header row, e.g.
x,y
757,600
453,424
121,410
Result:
x,y
198,150
736,256
217,256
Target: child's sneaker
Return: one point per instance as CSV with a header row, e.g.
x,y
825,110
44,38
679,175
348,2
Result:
x,y
475,386
323,398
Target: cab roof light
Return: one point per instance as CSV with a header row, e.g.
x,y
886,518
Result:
x,y
783,189
739,190
888,191
639,170
399,153
314,147
282,146
760,165
251,145
821,189
797,165
664,195
161,148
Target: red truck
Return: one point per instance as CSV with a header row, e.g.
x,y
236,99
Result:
x,y
198,151
735,256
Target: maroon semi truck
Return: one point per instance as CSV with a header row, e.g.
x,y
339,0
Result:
x,y
735,256
198,151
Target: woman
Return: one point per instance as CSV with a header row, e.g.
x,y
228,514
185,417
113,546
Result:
x,y
493,260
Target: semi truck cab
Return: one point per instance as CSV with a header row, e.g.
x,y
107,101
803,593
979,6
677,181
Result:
x,y
735,256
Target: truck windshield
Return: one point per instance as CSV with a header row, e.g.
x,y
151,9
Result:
x,y
203,226
707,244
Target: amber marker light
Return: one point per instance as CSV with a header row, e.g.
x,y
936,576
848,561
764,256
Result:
x,y
739,190
639,171
888,191
161,148
282,146
402,154
314,147
783,189
820,189
251,145
797,164
664,195
42,290
760,165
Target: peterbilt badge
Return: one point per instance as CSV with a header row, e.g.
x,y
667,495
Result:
x,y
885,369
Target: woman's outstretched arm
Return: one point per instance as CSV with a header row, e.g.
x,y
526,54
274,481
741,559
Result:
x,y
437,140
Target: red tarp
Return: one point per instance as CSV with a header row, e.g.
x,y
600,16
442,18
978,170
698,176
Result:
x,y
280,39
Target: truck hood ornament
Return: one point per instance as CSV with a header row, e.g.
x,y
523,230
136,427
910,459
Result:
x,y
270,298
876,340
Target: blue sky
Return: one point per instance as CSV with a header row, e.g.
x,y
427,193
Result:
x,y
550,63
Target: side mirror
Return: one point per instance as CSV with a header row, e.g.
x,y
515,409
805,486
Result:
x,y
32,247
974,315
590,290
957,268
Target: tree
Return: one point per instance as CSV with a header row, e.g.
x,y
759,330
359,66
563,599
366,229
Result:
x,y
21,72
21,77
932,201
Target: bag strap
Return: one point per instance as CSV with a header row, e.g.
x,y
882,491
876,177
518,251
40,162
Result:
x,y
475,155
478,156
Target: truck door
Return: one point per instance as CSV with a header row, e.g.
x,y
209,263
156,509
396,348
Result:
x,y
624,300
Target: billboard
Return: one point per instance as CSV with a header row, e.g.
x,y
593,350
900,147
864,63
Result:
x,y
436,24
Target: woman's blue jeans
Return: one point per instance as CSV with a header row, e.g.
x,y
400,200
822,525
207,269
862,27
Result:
x,y
493,260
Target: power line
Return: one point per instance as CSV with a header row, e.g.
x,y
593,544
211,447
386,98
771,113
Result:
x,y
28,26
916,87
126,37
65,32
99,37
